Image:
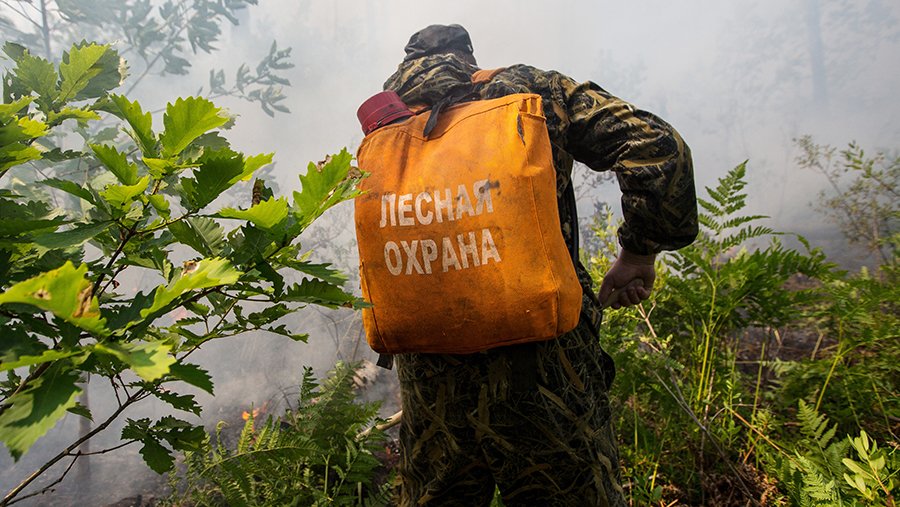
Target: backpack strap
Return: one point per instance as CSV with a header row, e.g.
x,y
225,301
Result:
x,y
386,361
481,76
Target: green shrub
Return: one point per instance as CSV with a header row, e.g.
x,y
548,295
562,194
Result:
x,y
83,208
312,455
700,391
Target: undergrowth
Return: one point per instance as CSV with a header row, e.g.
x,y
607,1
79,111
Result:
x,y
715,404
314,454
757,374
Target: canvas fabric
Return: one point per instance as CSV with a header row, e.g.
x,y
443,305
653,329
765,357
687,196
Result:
x,y
458,232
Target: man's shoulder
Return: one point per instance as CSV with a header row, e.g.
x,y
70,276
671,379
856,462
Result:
x,y
525,71
522,78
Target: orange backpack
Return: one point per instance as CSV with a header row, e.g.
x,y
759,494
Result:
x,y
459,236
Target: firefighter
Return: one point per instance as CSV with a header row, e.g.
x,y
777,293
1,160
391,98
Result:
x,y
534,419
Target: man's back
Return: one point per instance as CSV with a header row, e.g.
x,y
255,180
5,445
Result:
x,y
534,419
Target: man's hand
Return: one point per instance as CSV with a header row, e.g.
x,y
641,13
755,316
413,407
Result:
x,y
628,281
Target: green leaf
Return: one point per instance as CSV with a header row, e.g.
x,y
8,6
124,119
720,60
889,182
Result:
x,y
267,272
193,375
72,237
253,244
204,274
11,226
321,271
197,308
70,187
160,204
17,342
81,410
121,317
121,196
266,214
11,110
141,123
16,154
160,167
323,187
65,292
854,466
35,410
149,360
46,357
321,293
284,331
22,129
14,51
218,171
252,163
37,75
184,402
269,314
181,435
60,155
117,163
202,234
157,457
212,141
71,113
89,71
186,120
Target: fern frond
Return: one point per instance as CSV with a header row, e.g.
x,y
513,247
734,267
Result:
x,y
813,425
310,456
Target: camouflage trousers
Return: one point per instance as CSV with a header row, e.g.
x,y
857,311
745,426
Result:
x,y
532,419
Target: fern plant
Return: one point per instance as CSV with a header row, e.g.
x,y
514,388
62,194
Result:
x,y
819,472
732,278
312,455
677,356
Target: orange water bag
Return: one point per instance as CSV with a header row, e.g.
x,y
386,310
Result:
x,y
459,236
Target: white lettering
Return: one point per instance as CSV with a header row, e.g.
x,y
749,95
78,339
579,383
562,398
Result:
x,y
443,204
429,253
423,218
488,248
483,196
468,249
394,268
449,255
411,209
461,254
387,210
412,260
463,203
404,208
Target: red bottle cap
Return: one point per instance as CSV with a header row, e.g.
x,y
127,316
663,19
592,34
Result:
x,y
381,109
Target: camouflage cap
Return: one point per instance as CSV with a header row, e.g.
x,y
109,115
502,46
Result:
x,y
438,39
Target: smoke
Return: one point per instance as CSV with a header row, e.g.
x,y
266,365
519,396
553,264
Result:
x,y
739,80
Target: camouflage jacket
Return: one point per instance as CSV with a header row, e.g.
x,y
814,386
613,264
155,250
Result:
x,y
650,160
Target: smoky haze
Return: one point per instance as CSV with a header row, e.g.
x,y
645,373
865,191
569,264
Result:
x,y
739,80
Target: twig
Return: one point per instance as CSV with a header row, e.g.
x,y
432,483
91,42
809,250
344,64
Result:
x,y
49,487
9,498
115,387
386,425
104,451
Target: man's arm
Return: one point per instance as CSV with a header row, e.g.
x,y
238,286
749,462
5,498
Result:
x,y
655,173
628,281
